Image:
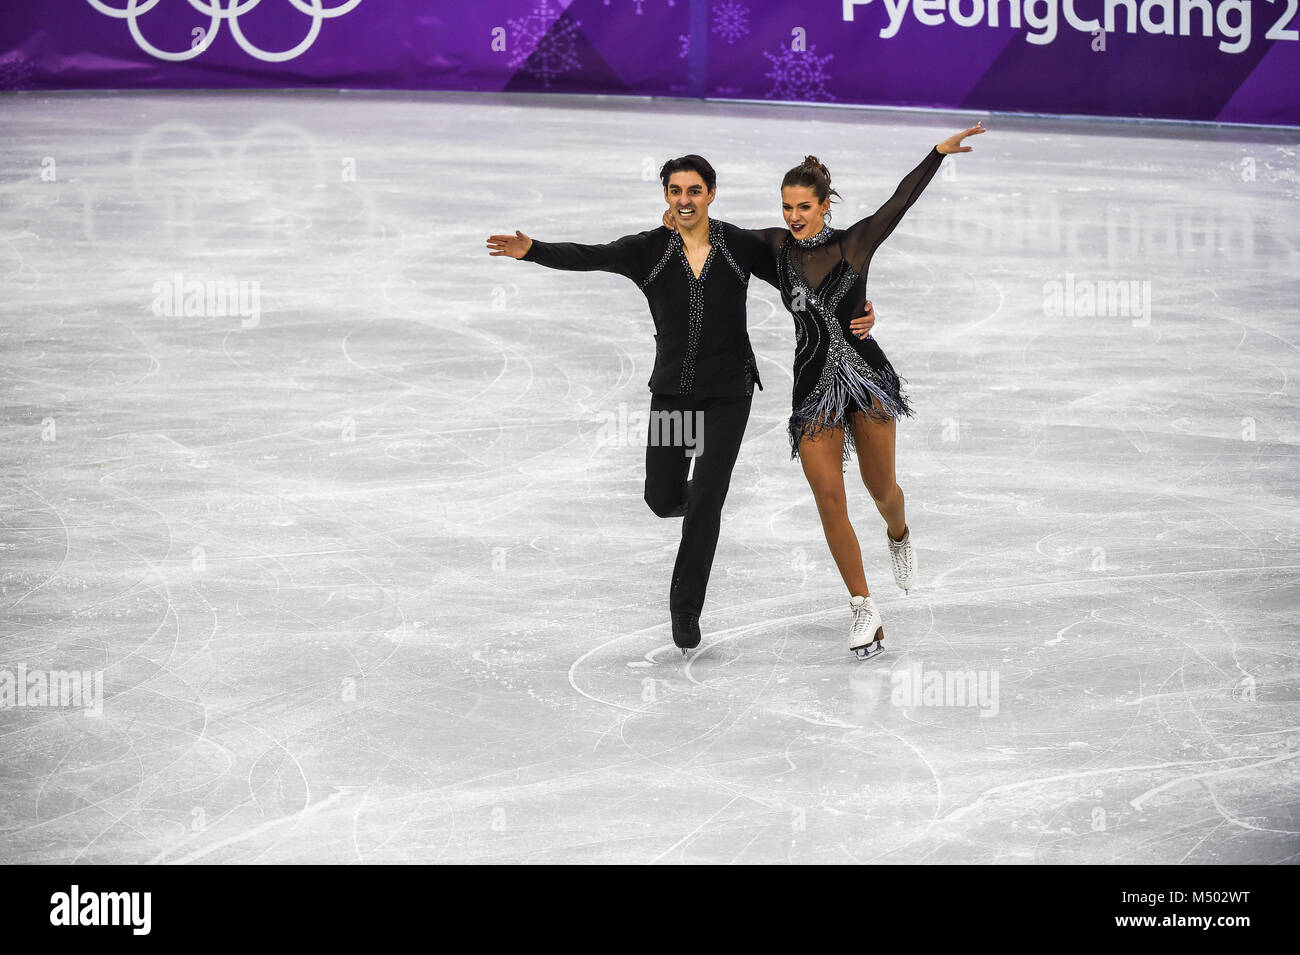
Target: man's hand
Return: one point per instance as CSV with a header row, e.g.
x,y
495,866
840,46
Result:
x,y
953,143
669,222
862,325
516,246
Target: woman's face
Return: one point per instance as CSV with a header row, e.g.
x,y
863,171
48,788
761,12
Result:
x,y
804,214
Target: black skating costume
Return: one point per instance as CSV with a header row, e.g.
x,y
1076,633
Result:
x,y
703,365
823,282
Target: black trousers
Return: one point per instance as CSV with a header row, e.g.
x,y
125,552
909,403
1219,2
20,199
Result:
x,y
713,427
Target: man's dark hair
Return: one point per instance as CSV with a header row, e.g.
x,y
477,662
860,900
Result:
x,y
691,163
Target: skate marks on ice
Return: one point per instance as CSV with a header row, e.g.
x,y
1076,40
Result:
x,y
365,584
1106,768
712,722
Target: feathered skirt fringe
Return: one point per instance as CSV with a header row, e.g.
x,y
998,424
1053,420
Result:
x,y
849,389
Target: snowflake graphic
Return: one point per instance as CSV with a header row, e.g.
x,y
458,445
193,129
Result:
x,y
541,51
731,20
16,72
641,3
798,75
685,51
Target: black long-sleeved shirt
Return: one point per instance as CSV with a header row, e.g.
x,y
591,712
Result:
x,y
701,340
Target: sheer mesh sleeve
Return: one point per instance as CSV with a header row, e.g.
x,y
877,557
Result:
x,y
756,250
863,238
772,238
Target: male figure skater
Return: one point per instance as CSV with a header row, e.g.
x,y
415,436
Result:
x,y
695,280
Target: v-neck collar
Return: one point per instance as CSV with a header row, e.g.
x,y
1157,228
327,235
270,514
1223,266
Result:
x,y
715,235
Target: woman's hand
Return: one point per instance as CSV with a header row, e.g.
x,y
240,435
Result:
x,y
953,143
669,222
862,325
516,246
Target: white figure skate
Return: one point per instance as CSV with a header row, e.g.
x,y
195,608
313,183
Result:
x,y
903,559
867,637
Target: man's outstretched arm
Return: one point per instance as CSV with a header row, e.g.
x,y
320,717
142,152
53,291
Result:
x,y
622,256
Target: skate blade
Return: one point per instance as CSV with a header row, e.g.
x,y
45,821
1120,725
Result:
x,y
870,650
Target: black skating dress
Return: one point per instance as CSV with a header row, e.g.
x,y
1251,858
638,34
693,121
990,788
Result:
x,y
823,283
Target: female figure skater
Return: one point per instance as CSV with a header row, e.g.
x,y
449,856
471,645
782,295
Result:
x,y
846,393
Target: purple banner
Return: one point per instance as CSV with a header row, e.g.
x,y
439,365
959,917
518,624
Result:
x,y
1212,60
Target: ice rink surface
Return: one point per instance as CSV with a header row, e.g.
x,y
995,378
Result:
x,y
364,566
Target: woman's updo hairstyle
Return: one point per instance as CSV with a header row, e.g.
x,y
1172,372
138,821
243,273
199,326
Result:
x,y
811,174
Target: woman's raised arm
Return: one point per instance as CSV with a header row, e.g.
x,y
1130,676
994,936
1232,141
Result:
x,y
866,235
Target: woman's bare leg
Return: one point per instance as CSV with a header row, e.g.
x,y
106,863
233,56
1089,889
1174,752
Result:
x,y
823,465
875,446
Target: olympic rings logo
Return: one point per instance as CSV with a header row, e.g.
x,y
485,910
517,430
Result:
x,y
232,11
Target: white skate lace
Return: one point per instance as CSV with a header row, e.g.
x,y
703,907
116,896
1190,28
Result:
x,y
901,554
861,619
